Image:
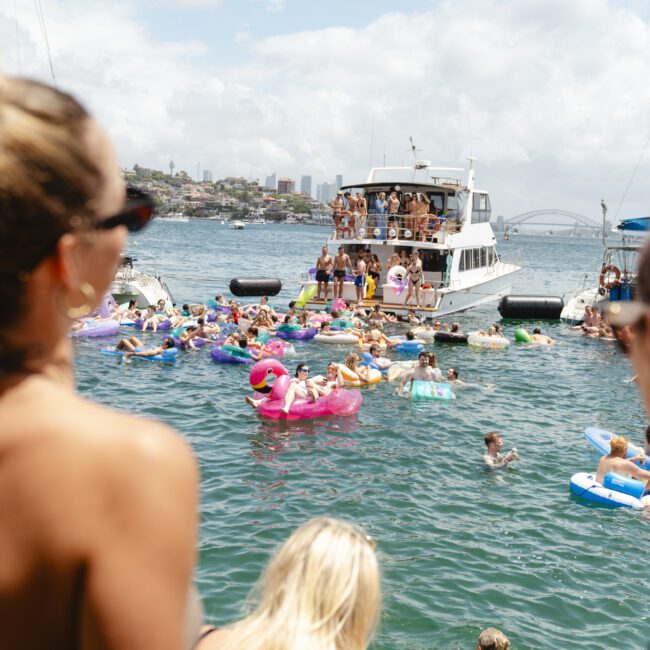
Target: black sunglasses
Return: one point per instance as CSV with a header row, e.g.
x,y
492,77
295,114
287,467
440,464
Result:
x,y
137,213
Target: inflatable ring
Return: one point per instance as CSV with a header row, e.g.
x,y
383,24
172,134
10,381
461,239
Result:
x,y
610,268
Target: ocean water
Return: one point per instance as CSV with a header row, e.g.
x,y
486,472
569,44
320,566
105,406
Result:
x,y
460,548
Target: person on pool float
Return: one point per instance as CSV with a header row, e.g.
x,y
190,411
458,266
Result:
x,y
378,315
421,372
134,347
492,458
152,319
332,380
381,362
615,461
300,386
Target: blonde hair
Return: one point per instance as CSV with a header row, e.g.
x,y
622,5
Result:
x,y
352,361
618,444
320,591
492,639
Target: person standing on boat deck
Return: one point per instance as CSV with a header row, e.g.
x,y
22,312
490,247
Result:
x,y
393,208
360,278
342,262
350,204
337,209
98,526
415,277
362,210
381,207
422,215
492,458
323,269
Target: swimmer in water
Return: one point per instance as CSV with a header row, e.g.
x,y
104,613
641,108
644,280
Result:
x,y
538,337
492,458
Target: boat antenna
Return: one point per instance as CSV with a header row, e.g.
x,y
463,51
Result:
x,y
469,129
41,21
603,207
413,149
372,137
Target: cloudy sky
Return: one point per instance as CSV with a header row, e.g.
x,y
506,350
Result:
x,y
551,96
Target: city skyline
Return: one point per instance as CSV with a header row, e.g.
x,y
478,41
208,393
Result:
x,y
526,88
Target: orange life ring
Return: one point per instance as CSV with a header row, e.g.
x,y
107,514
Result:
x,y
610,268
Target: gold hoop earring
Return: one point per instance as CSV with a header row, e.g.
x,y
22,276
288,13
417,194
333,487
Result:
x,y
85,309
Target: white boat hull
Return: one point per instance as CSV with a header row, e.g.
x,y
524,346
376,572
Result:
x,y
449,301
573,312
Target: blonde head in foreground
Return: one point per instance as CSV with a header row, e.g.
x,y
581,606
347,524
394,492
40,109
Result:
x,y
320,591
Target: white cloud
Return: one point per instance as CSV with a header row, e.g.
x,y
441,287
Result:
x,y
555,95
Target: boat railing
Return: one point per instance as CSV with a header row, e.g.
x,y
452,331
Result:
x,y
399,227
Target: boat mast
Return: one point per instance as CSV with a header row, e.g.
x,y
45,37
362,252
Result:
x,y
603,205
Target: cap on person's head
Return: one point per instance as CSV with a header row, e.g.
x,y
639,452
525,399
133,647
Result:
x,y
492,639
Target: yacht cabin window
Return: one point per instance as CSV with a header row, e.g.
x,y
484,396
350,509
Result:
x,y
476,258
481,210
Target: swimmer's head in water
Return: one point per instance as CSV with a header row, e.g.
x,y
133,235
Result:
x,y
375,348
168,343
452,373
618,445
492,437
410,336
423,356
537,331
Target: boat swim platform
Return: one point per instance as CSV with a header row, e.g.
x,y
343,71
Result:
x,y
370,304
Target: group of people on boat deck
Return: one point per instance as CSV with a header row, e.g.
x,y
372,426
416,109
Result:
x,y
412,216
366,264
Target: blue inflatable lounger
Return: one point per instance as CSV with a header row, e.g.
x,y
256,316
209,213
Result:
x,y
168,356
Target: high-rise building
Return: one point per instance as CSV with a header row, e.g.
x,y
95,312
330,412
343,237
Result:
x,y
328,192
305,185
286,186
207,176
271,182
339,181
319,192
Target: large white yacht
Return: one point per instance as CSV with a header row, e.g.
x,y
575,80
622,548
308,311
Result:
x,y
461,266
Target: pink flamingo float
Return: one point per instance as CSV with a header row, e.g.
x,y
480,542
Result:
x,y
269,397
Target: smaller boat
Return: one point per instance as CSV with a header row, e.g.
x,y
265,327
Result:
x,y
130,284
237,225
174,216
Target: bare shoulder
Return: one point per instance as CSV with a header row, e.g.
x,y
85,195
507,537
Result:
x,y
62,451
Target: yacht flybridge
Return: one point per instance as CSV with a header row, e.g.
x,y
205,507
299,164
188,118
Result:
x,y
452,235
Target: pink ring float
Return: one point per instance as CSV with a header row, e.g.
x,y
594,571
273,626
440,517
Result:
x,y
339,402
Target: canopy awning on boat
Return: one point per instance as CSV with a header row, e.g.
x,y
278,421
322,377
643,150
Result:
x,y
637,224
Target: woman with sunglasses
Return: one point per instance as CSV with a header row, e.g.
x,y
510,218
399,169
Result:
x,y
320,590
98,526
300,386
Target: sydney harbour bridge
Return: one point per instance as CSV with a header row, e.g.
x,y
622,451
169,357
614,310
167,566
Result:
x,y
553,219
